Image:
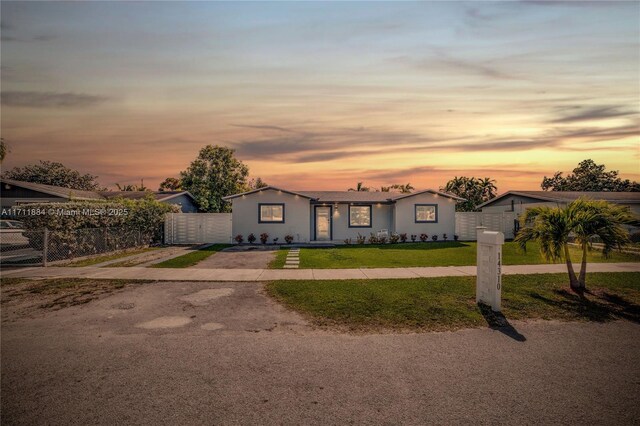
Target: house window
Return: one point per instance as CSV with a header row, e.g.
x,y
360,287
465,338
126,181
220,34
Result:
x,y
426,213
271,213
359,216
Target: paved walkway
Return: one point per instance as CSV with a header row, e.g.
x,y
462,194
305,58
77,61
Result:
x,y
195,274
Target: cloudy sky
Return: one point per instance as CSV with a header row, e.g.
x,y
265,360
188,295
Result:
x,y
321,95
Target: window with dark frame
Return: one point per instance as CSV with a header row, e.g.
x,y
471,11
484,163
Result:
x,y
426,213
271,213
360,216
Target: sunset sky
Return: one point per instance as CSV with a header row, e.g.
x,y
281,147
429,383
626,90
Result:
x,y
322,95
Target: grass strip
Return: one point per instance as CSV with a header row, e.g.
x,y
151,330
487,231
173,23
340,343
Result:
x,y
452,253
192,258
280,259
448,303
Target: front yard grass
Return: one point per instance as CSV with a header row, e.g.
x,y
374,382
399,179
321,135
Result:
x,y
429,254
280,259
192,258
449,302
108,257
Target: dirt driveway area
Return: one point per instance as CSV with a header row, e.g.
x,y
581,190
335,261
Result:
x,y
225,353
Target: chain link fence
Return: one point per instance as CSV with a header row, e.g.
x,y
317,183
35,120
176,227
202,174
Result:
x,y
41,247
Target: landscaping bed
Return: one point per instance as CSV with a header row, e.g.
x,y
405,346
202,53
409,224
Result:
x,y
427,254
448,303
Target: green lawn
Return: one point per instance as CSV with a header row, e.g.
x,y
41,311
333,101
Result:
x,y
192,258
108,257
280,259
449,302
426,254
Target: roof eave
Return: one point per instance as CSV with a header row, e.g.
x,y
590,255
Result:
x,y
177,195
521,194
443,194
231,197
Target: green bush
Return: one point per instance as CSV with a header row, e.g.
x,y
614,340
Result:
x,y
106,225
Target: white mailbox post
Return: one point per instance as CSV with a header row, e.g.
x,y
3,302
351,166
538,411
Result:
x,y
489,268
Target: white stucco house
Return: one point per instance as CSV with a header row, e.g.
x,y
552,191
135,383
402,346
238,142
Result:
x,y
339,215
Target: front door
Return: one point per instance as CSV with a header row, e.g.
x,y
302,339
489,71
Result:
x,y
323,223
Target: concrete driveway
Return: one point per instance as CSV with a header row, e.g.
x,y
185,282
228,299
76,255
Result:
x,y
258,259
224,353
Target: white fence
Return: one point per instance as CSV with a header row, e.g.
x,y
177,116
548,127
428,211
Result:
x,y
194,228
466,223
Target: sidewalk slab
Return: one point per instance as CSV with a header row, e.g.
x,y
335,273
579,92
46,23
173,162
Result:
x,y
231,274
384,273
342,274
286,274
534,269
118,273
196,274
443,271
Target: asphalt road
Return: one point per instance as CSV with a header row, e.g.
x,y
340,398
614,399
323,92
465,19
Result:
x,y
223,353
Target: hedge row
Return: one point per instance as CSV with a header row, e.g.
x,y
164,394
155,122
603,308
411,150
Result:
x,y
145,216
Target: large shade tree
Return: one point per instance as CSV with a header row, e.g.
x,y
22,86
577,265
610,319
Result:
x,y
170,184
475,191
582,220
214,174
589,176
52,173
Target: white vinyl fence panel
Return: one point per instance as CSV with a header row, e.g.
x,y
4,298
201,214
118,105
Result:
x,y
195,228
466,223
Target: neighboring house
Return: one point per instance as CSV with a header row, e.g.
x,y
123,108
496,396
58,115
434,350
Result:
x,y
184,199
14,193
340,215
518,201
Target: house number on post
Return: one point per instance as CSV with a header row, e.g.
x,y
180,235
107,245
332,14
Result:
x,y
489,268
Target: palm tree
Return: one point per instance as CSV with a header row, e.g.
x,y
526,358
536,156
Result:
x,y
582,219
487,187
456,185
130,187
601,220
360,188
550,227
405,189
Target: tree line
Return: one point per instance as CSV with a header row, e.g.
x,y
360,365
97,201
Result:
x,y
216,173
